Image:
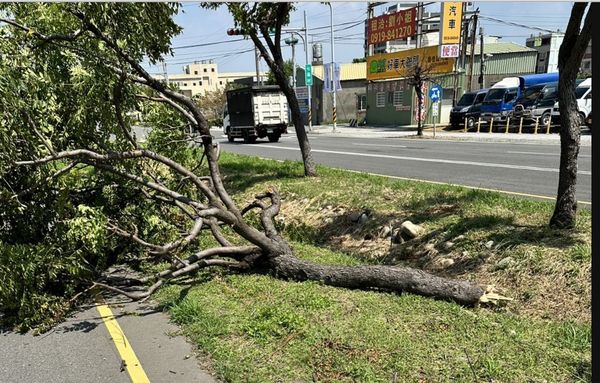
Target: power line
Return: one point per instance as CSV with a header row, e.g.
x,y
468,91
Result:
x,y
515,24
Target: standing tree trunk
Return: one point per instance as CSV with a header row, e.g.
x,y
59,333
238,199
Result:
x,y
277,69
419,90
569,59
266,18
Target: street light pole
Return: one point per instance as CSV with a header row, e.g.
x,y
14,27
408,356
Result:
x,y
332,67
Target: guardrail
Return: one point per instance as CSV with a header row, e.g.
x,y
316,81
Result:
x,y
511,125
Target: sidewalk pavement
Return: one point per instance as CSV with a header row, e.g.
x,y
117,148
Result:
x,y
458,135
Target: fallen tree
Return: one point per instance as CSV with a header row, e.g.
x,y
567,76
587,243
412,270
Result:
x,y
199,193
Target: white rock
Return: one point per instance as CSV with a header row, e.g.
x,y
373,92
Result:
x,y
410,229
489,244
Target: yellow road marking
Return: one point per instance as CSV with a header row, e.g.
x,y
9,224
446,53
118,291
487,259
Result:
x,y
132,363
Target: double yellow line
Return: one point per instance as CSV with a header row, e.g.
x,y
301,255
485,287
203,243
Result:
x,y
128,358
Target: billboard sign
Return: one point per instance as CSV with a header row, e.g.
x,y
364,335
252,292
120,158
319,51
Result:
x,y
399,64
393,26
451,20
449,50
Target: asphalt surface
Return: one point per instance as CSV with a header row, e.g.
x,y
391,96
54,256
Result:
x,y
530,168
81,350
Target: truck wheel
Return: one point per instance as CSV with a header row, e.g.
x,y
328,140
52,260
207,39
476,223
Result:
x,y
249,139
273,137
545,117
230,138
470,123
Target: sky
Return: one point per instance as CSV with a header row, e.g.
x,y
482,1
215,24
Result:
x,y
201,26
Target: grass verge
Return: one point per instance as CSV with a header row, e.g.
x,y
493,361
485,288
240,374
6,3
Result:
x,y
259,329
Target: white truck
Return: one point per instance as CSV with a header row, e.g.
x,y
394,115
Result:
x,y
583,94
255,112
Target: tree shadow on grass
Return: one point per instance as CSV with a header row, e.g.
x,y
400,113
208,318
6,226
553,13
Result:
x,y
239,176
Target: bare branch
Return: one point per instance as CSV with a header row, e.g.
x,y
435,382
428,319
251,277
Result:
x,y
116,156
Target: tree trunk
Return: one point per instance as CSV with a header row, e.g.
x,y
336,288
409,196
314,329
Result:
x,y
565,209
569,59
310,169
419,91
390,278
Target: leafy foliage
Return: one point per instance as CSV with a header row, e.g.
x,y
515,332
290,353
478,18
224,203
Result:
x,y
59,91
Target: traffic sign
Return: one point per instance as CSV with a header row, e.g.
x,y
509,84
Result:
x,y
435,93
434,109
308,80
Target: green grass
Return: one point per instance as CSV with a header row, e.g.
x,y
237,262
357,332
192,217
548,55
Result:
x,y
256,328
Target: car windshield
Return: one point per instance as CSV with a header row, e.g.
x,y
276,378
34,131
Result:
x,y
479,98
580,91
531,94
495,94
550,93
466,99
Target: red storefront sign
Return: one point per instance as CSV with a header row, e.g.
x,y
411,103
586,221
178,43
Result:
x,y
394,26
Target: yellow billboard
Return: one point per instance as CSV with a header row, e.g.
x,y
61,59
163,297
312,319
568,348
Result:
x,y
451,19
399,64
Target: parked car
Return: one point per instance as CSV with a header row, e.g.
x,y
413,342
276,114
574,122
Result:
x,y
583,94
467,107
537,102
500,99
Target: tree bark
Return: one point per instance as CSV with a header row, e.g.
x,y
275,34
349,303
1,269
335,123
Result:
x,y
390,278
419,90
569,59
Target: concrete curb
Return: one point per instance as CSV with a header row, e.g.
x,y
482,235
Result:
x,y
409,133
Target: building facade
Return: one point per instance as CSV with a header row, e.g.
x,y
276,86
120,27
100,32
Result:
x,y
203,76
547,46
393,102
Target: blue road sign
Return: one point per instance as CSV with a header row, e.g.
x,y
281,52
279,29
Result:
x,y
435,93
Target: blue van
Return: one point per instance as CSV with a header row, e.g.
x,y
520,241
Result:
x,y
500,100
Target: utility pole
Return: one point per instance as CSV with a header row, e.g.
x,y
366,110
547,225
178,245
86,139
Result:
x,y
419,41
308,87
333,84
257,60
473,39
370,14
458,62
481,59
164,68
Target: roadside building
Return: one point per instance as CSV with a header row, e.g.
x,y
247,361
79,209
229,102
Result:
x,y
393,102
202,76
547,46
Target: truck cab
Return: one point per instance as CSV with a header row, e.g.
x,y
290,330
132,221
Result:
x,y
502,96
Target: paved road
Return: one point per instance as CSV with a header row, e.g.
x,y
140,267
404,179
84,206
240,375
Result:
x,y
512,167
82,350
